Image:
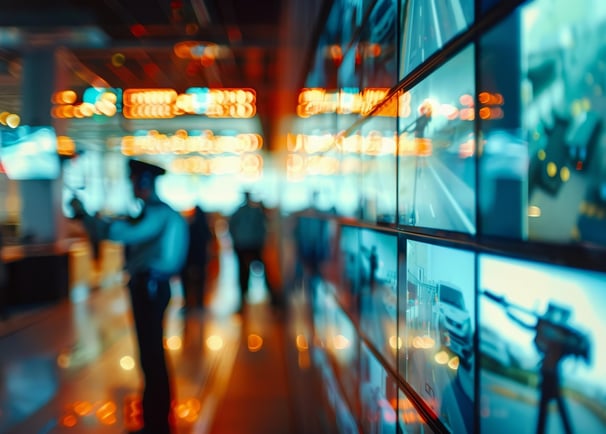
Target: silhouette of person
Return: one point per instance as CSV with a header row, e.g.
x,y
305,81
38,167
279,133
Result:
x,y
373,265
3,282
248,230
193,276
155,250
311,238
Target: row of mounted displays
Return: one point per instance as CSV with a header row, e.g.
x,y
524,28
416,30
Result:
x,y
415,335
502,140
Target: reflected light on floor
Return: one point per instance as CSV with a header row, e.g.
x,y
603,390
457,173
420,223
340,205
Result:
x,y
105,413
127,363
214,342
173,343
188,410
255,343
302,343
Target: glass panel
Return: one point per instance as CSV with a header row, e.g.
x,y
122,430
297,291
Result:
x,y
378,262
378,395
379,166
410,420
436,181
542,119
376,51
427,26
542,351
438,331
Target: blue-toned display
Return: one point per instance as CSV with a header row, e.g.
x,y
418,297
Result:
x,y
542,348
543,170
427,26
378,266
29,153
376,51
436,147
378,396
437,330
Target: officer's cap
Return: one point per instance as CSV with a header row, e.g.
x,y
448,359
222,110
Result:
x,y
138,168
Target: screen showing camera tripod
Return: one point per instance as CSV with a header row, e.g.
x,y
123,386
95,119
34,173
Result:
x,y
542,348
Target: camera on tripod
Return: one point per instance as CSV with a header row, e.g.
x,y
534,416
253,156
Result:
x,y
554,334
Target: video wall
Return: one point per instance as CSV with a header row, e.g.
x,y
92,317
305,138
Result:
x,y
465,291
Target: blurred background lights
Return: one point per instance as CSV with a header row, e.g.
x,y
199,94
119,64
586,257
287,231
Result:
x,y
118,59
255,343
173,343
214,342
127,363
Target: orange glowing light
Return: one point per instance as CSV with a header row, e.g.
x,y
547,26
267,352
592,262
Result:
x,y
69,421
255,343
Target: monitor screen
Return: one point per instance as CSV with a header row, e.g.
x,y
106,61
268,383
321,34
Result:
x,y
543,167
350,282
378,269
542,347
427,26
438,289
378,395
29,153
436,147
376,52
410,421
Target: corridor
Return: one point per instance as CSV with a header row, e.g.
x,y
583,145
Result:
x,y
72,367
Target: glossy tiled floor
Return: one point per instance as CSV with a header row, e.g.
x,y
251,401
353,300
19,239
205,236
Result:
x,y
72,367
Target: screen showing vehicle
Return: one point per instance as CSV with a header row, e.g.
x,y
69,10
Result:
x,y
427,26
29,153
378,266
542,347
378,395
542,118
436,147
437,330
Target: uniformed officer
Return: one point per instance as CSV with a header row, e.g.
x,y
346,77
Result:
x,y
156,247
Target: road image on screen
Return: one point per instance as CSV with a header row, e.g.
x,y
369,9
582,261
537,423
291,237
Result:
x,y
437,330
542,352
428,25
436,148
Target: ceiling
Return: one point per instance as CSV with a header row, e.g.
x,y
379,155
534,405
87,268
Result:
x,y
135,43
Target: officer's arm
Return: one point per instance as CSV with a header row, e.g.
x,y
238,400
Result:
x,y
144,229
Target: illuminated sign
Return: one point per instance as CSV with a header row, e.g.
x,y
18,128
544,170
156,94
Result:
x,y
181,142
316,101
155,103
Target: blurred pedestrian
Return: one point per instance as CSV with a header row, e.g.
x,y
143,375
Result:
x,y
156,247
193,276
3,282
248,230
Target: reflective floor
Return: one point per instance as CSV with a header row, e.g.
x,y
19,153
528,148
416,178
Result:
x,y
72,367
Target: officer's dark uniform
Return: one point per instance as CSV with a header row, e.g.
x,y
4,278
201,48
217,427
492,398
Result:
x,y
156,246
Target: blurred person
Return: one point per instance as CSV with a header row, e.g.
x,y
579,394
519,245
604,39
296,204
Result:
x,y
248,230
3,282
193,276
311,235
155,251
